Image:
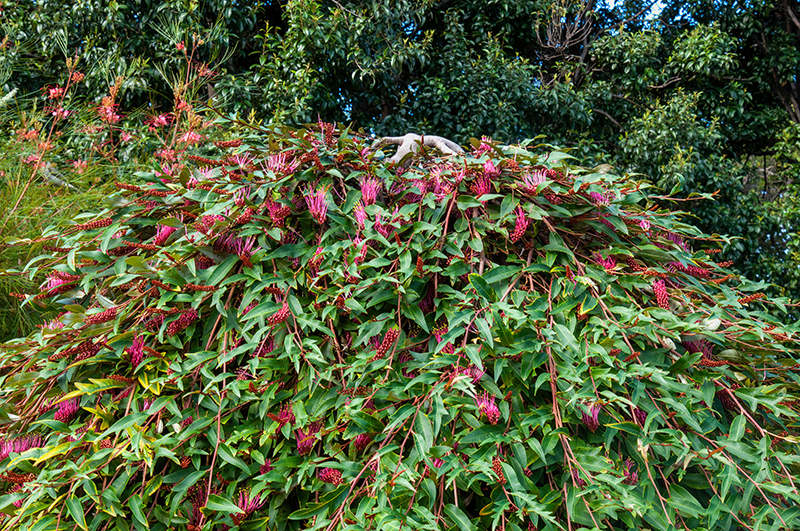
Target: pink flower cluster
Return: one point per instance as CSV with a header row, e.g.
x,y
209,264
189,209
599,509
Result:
x,y
306,438
486,406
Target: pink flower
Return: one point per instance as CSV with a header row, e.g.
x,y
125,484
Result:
x,y
317,204
249,505
162,120
136,351
60,113
361,215
599,199
590,417
54,93
79,166
282,163
191,138
521,225
489,170
481,186
662,297
631,475
362,441
531,181
67,410
285,416
180,46
108,111
126,136
484,147
608,263
59,278
182,323
19,445
644,224
306,438
163,232
486,406
244,248
369,190
330,475
266,467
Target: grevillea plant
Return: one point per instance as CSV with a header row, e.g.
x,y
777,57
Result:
x,y
287,332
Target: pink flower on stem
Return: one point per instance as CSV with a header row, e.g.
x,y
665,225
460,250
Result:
x,y
484,147
108,111
182,323
608,263
60,113
79,166
599,199
362,441
317,204
306,438
590,417
244,248
282,163
521,225
662,297
486,406
266,467
19,445
330,475
162,120
369,190
531,181
54,93
163,232
136,351
489,170
481,186
125,136
191,138
249,505
630,474
67,410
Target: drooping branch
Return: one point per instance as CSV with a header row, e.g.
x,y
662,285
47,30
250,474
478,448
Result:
x,y
411,142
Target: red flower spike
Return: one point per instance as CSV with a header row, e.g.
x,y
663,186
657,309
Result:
x,y
662,298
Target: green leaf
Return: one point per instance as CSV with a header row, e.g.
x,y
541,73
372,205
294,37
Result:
x,y
135,503
423,434
482,288
684,502
75,509
458,517
566,338
228,456
222,270
220,503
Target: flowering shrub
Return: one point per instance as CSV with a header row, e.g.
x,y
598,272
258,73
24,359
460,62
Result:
x,y
284,332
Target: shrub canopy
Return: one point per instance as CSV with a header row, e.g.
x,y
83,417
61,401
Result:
x,y
287,332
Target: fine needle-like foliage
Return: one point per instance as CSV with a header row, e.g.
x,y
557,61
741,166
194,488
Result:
x,y
290,333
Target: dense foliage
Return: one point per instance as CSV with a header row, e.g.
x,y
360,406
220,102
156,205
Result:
x,y
282,331
701,95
